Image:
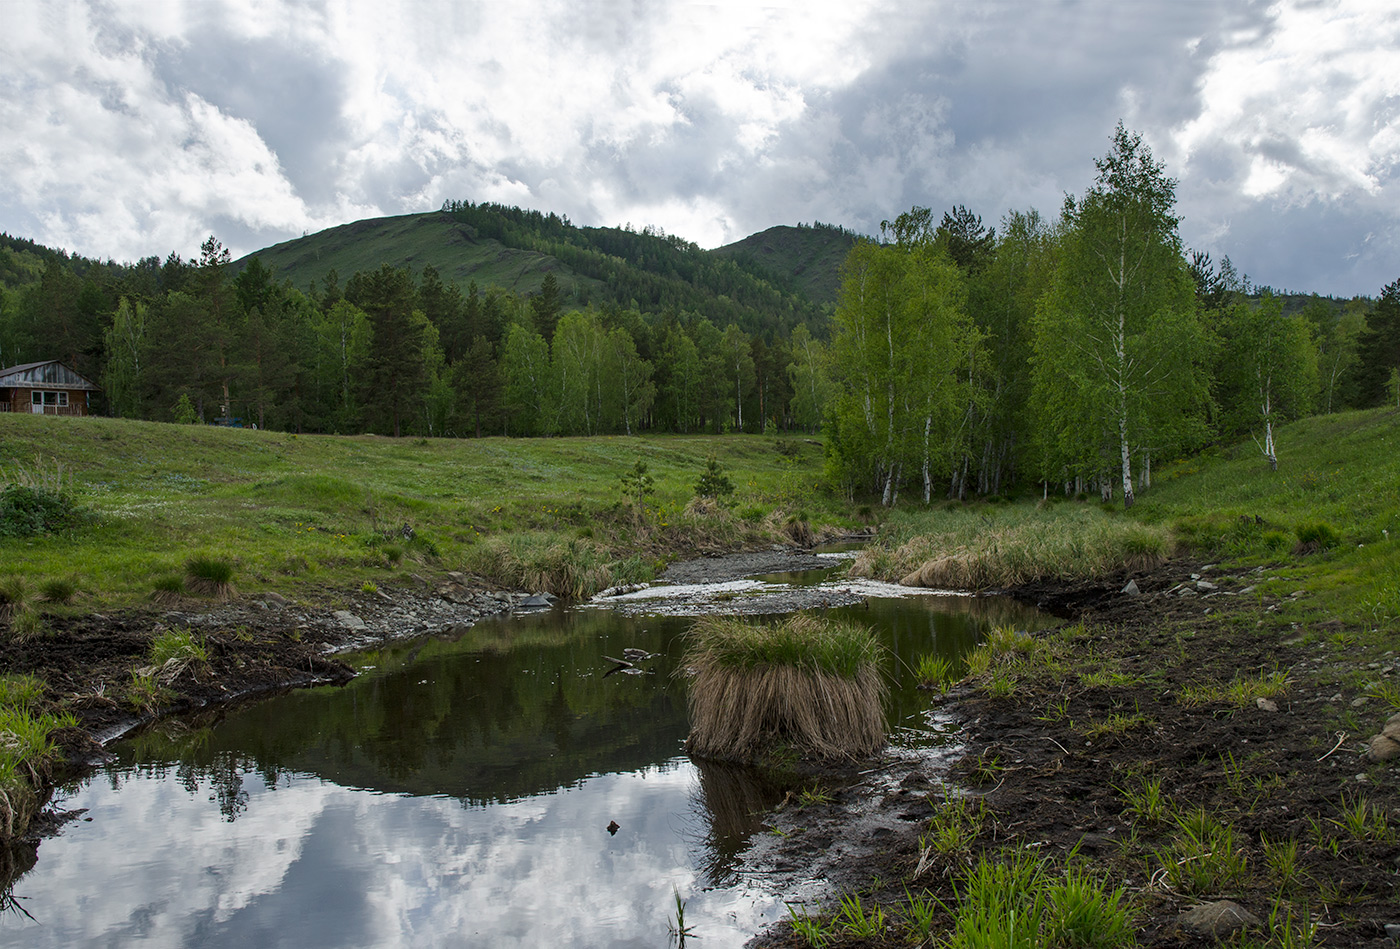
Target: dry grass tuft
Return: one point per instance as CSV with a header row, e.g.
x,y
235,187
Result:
x,y
806,683
963,552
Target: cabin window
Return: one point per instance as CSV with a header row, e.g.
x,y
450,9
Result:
x,y
38,397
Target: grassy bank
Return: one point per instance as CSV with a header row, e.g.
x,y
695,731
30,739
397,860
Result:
x,y
292,512
985,546
1330,515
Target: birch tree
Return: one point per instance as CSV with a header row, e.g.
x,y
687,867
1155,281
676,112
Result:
x,y
1270,369
901,351
1117,340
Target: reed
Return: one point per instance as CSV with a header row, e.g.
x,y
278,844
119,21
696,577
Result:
x,y
805,683
966,550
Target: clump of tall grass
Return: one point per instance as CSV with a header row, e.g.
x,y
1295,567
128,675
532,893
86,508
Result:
x,y
27,750
209,576
970,551
1022,902
14,597
167,589
59,590
807,683
569,567
934,672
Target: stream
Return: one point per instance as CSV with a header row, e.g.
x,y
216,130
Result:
x,y
498,787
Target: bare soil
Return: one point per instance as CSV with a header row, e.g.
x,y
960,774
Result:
x,y
1050,783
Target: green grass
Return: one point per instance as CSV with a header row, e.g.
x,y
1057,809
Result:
x,y
841,650
297,512
27,751
1331,514
1022,901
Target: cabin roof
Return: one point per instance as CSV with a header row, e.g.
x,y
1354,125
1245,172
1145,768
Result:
x,y
49,374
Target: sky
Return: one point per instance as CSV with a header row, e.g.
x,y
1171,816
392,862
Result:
x,y
131,129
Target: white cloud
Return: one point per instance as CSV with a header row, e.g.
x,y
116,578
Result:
x,y
129,129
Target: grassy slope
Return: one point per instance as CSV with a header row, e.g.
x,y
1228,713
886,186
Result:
x,y
415,240
1341,470
292,511
808,258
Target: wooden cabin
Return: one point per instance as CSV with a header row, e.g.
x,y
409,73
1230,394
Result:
x,y
44,388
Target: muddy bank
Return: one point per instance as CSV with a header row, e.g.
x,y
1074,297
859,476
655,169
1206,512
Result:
x,y
1059,765
257,644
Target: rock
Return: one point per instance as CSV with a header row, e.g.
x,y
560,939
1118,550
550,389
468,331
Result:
x,y
1131,589
1393,931
1247,590
1386,745
1218,919
348,620
1359,701
1187,592
1266,705
537,600
1205,586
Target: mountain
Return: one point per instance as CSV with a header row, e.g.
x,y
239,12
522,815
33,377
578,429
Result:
x,y
765,287
806,258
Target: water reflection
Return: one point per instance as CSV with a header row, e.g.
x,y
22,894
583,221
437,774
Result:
x,y
458,792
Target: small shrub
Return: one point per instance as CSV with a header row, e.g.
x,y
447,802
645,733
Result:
x,y
369,587
714,481
180,646
209,576
26,624
29,511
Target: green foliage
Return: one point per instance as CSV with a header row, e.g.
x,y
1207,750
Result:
x,y
714,481
30,511
178,646
900,350
1020,902
813,931
209,576
935,671
183,411
1118,348
28,753
638,485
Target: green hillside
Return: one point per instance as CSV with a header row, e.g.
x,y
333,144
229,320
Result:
x,y
806,258
650,271
417,241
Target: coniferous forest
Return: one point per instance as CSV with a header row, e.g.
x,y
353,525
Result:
x,y
957,358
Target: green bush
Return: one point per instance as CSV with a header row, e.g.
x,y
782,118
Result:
x,y
28,512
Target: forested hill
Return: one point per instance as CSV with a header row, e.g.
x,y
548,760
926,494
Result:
x,y
806,258
513,249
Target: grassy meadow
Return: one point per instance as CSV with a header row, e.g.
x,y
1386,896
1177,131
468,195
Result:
x,y
291,513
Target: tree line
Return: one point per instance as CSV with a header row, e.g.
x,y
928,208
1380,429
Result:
x,y
389,351
1076,353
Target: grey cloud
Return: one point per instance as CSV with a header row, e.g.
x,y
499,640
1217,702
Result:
x,y
293,99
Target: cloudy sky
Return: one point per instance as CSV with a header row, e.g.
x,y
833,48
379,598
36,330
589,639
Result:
x,y
131,129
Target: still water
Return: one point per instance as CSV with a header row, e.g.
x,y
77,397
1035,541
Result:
x,y
458,792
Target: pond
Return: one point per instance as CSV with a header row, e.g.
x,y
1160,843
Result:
x,y
500,787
